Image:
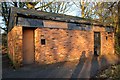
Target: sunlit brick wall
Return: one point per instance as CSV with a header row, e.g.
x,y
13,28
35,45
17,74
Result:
x,y
15,45
107,40
62,45
66,45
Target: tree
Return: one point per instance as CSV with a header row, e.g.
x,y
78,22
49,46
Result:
x,y
119,13
108,13
49,6
5,11
104,12
118,32
85,8
59,7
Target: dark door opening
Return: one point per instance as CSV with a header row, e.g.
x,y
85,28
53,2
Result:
x,y
28,45
97,43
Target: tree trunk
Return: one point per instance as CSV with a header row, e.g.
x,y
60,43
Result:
x,y
118,23
83,9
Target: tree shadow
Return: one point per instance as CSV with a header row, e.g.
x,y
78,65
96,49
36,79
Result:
x,y
79,66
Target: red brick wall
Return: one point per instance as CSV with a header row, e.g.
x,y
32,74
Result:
x,y
15,45
62,45
65,45
107,44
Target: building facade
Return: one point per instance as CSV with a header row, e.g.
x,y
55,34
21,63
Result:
x,y
46,38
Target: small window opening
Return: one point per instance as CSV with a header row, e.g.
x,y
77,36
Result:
x,y
109,32
106,38
42,35
53,38
42,41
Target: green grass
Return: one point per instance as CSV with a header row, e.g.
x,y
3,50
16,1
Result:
x,y
112,72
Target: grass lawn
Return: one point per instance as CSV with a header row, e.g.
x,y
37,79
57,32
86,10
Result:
x,y
111,72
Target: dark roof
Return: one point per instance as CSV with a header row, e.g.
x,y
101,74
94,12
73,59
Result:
x,y
31,13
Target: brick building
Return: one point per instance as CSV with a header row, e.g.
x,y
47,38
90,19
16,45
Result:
x,y
45,38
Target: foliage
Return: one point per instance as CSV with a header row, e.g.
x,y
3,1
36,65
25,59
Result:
x,y
112,72
85,8
104,12
4,43
48,6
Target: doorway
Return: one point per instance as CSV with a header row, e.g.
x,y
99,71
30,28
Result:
x,y
97,43
28,45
